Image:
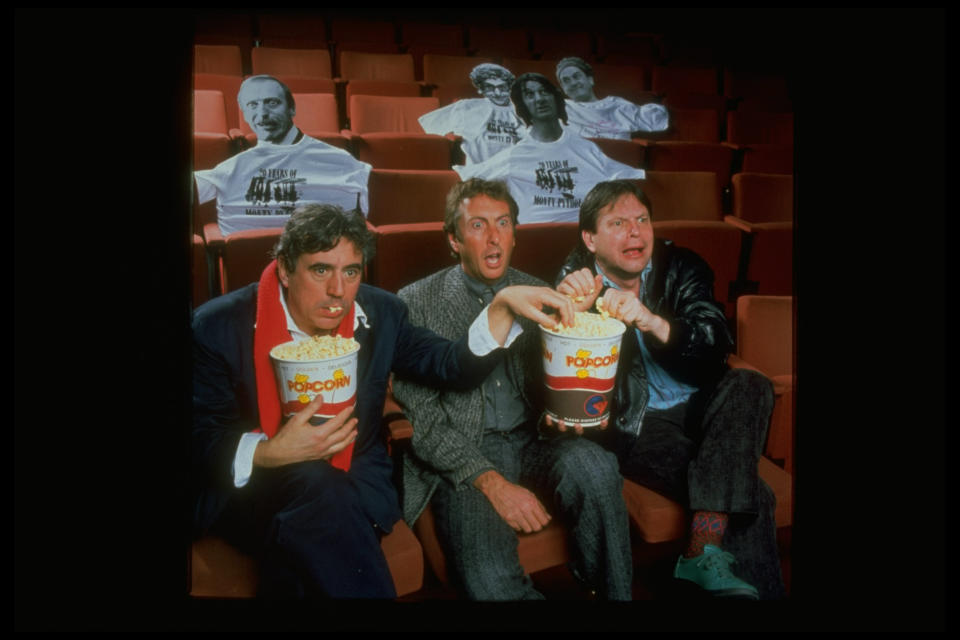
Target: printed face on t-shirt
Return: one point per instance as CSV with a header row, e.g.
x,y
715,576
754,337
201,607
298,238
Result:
x,y
486,238
496,91
265,109
576,84
539,102
623,241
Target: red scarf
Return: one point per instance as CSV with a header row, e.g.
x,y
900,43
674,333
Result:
x,y
271,330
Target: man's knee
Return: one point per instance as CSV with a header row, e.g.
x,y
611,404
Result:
x,y
320,487
749,386
591,469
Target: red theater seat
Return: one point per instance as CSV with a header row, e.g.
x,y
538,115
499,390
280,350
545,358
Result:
x,y
359,65
719,243
388,150
407,253
311,63
759,127
683,195
678,155
442,70
229,87
677,79
765,341
217,58
762,197
220,570
542,248
397,88
398,196
369,114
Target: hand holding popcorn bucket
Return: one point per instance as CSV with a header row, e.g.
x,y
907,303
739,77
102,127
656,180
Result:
x,y
322,365
580,365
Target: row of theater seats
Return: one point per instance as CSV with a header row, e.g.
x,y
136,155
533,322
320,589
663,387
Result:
x,y
313,30
745,257
366,106
726,85
696,93
764,343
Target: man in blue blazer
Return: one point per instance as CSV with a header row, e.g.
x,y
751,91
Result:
x,y
311,502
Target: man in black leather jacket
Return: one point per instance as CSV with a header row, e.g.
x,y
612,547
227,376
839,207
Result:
x,y
683,423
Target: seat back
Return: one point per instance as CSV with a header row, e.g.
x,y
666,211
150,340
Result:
x,y
359,65
316,113
768,158
542,248
408,252
770,262
210,149
620,80
307,84
360,30
559,43
716,242
217,58
389,150
739,84
414,32
200,287
765,333
529,65
398,196
683,195
227,85
498,42
300,30
762,197
389,113
441,70
759,127
245,255
310,63
400,89
675,155
209,112
629,152
691,125
634,49
669,79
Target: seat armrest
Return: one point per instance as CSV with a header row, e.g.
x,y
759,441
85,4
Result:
x,y
739,223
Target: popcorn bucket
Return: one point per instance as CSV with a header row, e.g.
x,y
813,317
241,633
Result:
x,y
299,382
579,374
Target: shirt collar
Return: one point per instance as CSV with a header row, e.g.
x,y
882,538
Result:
x,y
478,288
643,276
297,334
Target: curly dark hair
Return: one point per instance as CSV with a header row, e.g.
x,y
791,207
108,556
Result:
x,y
319,227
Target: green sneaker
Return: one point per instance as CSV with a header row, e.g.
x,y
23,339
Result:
x,y
711,572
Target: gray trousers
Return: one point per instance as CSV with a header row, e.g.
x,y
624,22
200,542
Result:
x,y
578,483
704,455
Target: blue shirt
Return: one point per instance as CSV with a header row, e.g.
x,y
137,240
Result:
x,y
665,390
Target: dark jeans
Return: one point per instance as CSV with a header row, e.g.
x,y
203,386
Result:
x,y
704,455
305,524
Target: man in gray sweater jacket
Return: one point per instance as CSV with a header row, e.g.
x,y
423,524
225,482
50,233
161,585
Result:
x,y
477,456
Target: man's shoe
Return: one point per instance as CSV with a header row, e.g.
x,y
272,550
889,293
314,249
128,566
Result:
x,y
711,572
